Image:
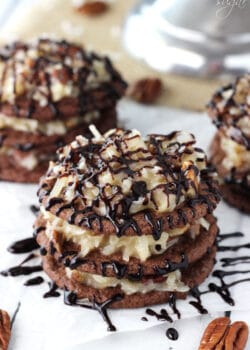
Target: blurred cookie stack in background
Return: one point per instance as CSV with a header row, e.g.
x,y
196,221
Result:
x,y
50,91
230,150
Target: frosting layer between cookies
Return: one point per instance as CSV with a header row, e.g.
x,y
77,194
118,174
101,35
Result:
x,y
56,127
171,282
139,247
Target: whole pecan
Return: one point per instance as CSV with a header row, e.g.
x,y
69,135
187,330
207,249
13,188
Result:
x,y
93,8
220,335
4,330
145,90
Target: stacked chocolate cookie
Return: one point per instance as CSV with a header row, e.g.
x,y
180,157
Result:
x,y
229,110
122,214
50,91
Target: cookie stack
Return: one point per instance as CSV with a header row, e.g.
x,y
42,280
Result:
x,y
50,91
229,110
123,214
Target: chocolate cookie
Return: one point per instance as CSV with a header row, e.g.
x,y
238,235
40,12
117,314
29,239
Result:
x,y
192,277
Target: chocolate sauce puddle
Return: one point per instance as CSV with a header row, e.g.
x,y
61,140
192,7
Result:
x,y
172,334
70,298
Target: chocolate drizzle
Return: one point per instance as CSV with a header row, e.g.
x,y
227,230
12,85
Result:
x,y
222,289
15,314
21,270
172,304
52,292
37,230
119,269
197,303
70,298
75,262
23,246
136,276
34,209
233,248
235,261
222,237
162,316
34,281
172,266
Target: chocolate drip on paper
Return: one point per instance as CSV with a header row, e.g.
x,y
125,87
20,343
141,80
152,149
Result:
x,y
34,281
23,246
15,314
52,292
172,334
70,298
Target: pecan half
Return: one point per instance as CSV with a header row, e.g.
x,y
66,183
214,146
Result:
x,y
4,330
214,333
237,336
220,335
145,90
93,8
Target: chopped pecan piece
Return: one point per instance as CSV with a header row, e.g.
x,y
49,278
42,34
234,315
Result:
x,y
145,90
93,8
